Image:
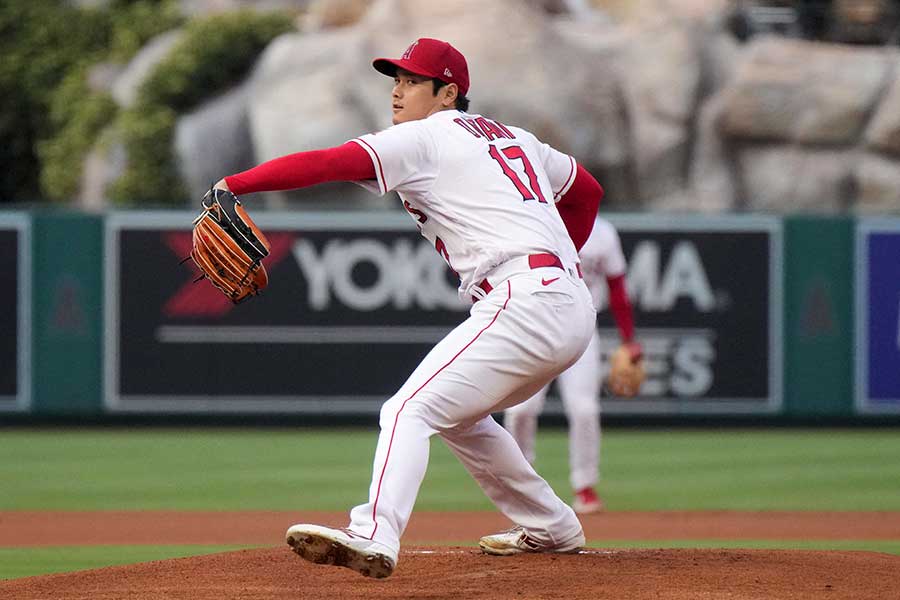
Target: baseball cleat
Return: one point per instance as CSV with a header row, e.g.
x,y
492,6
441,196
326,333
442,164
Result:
x,y
517,541
342,548
587,501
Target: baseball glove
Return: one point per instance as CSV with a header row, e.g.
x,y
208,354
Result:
x,y
228,247
626,370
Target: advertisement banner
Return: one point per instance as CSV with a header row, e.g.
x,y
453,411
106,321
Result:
x,y
356,299
878,316
707,297
15,320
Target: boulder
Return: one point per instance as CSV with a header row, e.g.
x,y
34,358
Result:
x,y
125,87
883,133
564,89
303,97
214,141
711,183
630,12
661,92
531,79
103,165
328,14
656,98
782,179
877,185
207,7
803,92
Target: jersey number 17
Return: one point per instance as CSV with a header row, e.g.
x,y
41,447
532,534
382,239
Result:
x,y
530,189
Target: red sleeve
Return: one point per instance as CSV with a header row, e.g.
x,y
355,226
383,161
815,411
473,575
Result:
x,y
348,162
620,307
578,207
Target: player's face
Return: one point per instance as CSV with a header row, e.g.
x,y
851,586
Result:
x,y
414,98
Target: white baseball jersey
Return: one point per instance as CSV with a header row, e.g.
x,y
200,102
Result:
x,y
479,191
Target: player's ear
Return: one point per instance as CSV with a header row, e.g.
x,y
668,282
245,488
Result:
x,y
451,91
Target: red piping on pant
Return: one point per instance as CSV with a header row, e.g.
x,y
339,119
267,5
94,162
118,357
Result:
x,y
402,406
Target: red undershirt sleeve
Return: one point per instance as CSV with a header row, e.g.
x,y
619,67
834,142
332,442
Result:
x,y
620,307
578,207
348,162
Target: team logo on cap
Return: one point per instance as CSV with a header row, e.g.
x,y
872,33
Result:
x,y
409,51
448,72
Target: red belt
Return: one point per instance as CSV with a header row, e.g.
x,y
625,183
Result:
x,y
535,261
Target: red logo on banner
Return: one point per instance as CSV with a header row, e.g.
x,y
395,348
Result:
x,y
68,311
201,299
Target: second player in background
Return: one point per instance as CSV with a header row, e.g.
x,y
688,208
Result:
x,y
603,264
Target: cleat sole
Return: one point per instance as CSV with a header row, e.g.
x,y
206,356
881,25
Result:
x,y
325,551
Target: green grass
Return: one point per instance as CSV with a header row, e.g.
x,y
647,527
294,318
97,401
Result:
x,y
183,469
25,562
855,470
306,469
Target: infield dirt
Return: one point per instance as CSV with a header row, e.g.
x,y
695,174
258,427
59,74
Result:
x,y
433,566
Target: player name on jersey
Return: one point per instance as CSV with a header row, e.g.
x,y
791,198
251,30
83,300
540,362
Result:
x,y
482,127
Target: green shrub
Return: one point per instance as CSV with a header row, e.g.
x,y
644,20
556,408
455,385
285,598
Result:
x,y
40,41
151,176
137,21
50,118
213,54
76,113
79,116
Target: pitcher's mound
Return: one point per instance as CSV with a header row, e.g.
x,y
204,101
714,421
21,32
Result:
x,y
449,573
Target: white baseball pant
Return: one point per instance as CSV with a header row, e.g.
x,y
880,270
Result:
x,y
532,326
579,387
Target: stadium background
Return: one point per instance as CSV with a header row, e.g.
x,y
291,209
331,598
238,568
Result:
x,y
773,342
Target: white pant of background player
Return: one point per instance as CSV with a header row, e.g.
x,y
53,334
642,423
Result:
x,y
532,326
579,388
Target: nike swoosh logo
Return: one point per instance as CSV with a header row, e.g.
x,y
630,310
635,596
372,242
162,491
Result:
x,y
548,281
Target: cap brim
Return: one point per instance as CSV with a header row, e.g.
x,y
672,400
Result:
x,y
385,66
389,66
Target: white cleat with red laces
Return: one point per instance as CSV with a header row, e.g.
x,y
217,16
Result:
x,y
517,541
342,548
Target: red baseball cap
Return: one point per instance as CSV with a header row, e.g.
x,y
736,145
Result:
x,y
431,58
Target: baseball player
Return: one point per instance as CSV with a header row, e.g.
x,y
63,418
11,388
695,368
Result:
x,y
508,215
603,265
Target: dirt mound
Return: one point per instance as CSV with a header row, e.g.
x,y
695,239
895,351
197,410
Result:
x,y
456,573
266,528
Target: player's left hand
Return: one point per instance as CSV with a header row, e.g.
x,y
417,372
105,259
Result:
x,y
635,351
626,370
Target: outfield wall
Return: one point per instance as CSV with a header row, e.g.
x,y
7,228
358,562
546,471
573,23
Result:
x,y
740,316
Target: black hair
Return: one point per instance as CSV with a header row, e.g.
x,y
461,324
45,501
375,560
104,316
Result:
x,y
462,103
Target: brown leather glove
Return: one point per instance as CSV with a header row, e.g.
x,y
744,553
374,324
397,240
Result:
x,y
626,370
228,247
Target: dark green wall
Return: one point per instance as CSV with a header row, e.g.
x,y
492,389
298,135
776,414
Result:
x,y
818,316
67,313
